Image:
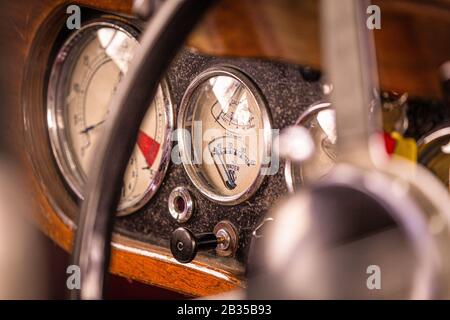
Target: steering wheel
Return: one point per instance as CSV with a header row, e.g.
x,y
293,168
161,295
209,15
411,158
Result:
x,y
161,40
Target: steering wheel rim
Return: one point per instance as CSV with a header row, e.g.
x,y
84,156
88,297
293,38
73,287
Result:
x,y
161,40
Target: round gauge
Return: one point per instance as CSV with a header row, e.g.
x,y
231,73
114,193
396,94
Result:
x,y
83,79
434,154
225,141
320,121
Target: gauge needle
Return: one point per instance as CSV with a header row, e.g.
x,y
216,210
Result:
x,y
148,146
87,129
92,127
226,176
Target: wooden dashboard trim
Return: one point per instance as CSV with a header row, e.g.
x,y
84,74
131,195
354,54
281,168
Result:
x,y
411,45
139,261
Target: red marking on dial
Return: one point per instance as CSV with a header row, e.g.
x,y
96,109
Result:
x,y
390,143
148,146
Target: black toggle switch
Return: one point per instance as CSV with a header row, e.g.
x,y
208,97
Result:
x,y
185,245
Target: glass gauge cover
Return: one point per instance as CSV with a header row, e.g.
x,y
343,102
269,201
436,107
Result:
x,y
225,141
84,77
320,121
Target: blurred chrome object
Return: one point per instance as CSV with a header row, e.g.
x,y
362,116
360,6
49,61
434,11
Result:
x,y
144,9
325,238
181,204
434,154
349,56
22,259
320,122
369,213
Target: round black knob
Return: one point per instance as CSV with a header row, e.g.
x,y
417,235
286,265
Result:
x,y
185,245
310,74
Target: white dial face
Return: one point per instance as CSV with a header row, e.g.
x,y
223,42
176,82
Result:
x,y
230,142
88,79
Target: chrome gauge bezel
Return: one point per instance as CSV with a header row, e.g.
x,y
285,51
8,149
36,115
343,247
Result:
x,y
429,144
288,167
433,136
185,107
56,114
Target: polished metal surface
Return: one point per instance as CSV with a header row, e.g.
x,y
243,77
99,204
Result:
x,y
350,221
223,238
181,204
434,154
320,121
350,64
144,9
229,238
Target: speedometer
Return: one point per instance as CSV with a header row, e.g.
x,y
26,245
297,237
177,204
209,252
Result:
x,y
224,135
83,79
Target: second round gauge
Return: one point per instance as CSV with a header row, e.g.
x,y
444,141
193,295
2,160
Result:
x,y
320,121
225,135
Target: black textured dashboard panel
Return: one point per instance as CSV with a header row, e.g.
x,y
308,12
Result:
x,y
287,94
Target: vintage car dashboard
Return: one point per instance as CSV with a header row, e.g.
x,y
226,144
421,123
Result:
x,y
68,79
281,91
